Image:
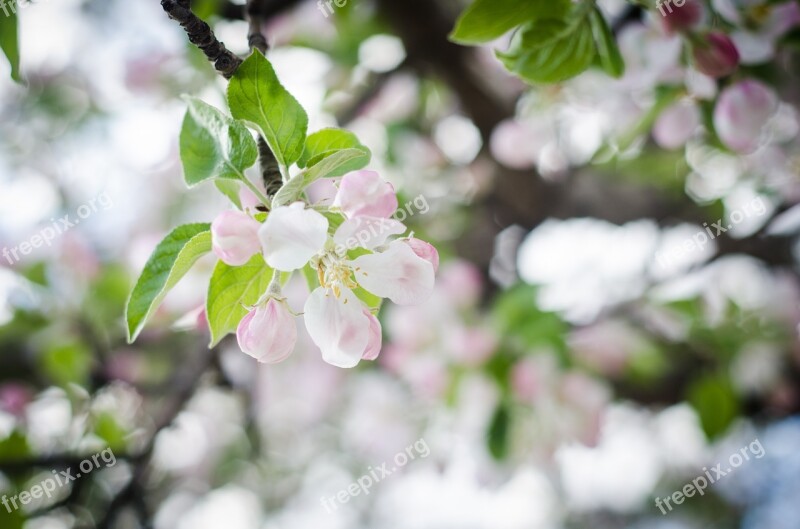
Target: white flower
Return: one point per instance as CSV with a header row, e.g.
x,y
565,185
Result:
x,y
292,235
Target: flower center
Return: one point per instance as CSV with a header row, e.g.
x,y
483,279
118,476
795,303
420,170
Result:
x,y
759,13
334,273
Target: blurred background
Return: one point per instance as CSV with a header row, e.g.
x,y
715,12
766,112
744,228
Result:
x,y
578,359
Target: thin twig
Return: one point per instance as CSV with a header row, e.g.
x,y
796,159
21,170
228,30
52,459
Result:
x,y
253,14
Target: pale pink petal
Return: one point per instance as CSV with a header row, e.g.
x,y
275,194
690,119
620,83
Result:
x,y
782,18
338,326
14,398
268,333
365,193
676,125
742,111
292,235
375,337
397,273
425,250
234,237
754,48
366,232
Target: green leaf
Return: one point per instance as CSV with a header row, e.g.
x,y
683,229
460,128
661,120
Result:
x,y
551,50
107,428
9,37
255,95
205,9
607,49
170,261
12,520
14,447
230,189
487,20
326,142
519,320
67,363
498,438
230,290
327,167
214,145
716,403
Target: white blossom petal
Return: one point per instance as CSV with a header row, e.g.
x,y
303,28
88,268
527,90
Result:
x,y
338,326
397,273
366,232
292,235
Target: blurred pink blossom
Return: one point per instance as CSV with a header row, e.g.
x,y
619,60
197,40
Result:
x,y
742,111
676,125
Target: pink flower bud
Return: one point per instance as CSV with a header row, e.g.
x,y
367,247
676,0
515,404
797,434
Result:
x,y
682,17
676,125
268,333
365,193
14,398
375,337
234,237
426,251
717,56
742,111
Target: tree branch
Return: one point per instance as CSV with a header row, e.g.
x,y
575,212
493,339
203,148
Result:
x,y
201,35
255,18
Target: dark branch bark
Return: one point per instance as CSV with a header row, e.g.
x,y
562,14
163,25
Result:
x,y
201,35
255,19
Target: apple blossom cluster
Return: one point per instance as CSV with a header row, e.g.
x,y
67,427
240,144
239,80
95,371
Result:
x,y
713,52
350,247
691,80
745,106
